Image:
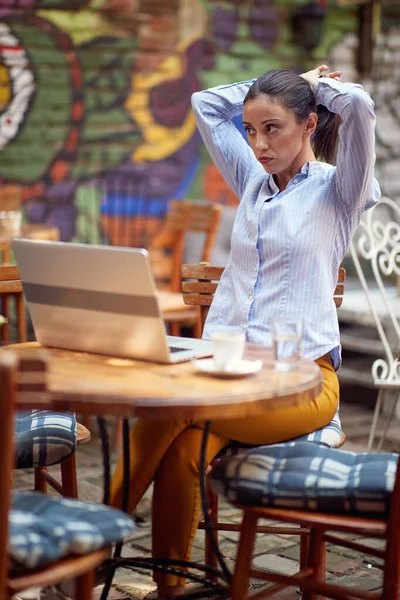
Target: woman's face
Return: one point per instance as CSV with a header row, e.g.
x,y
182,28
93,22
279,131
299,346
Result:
x,y
277,139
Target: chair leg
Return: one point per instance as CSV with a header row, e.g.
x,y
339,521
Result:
x,y
40,483
5,311
212,501
377,411
304,549
391,572
241,576
304,546
68,477
175,329
388,421
317,561
197,328
84,586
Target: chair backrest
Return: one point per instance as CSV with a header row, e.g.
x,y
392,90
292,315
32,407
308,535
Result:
x,y
375,252
203,280
11,287
25,375
166,249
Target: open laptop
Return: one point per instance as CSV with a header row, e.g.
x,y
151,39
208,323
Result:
x,y
100,299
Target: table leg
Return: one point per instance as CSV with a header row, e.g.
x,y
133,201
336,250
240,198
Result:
x,y
105,448
125,494
167,565
204,505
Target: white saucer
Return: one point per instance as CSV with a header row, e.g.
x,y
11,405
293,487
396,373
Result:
x,y
241,369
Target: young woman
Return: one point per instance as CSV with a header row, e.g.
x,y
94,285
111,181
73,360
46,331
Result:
x,y
292,230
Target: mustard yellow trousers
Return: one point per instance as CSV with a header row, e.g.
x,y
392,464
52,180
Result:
x,y
168,453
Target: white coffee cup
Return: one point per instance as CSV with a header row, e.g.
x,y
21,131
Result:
x,y
228,349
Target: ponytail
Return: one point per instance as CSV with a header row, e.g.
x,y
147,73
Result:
x,y
326,134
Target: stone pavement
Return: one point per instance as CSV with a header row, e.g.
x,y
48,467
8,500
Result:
x,y
274,552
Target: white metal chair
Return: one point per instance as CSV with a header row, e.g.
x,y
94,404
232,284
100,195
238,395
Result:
x,y
376,248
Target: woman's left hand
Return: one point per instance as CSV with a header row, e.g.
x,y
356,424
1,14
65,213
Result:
x,y
322,71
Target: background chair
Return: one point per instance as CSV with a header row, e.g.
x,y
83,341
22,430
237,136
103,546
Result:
x,y
199,283
45,539
375,253
327,491
166,252
42,437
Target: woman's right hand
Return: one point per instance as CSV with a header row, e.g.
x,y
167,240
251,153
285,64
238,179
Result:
x,y
322,71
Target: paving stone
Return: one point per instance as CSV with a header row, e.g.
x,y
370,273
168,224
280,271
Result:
x,y
373,542
276,564
343,551
264,542
287,594
127,577
339,565
335,563
363,579
142,543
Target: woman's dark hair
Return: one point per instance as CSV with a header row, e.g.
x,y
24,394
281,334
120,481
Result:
x,y
295,93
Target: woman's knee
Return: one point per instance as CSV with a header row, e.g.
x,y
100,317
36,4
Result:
x,y
183,455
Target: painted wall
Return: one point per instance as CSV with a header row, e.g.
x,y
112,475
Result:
x,y
96,129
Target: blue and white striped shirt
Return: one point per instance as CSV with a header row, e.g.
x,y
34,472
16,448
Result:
x,y
285,253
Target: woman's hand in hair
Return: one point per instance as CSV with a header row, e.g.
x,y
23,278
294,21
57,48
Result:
x,y
322,71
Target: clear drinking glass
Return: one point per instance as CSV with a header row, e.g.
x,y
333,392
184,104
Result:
x,y
286,340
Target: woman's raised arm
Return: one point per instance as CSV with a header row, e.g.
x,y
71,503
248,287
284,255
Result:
x,y
214,109
355,160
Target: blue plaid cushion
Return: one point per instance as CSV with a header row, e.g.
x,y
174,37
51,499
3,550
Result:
x,y
310,476
43,437
329,435
45,528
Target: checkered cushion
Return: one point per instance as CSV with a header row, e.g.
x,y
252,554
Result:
x,y
310,476
329,435
43,437
44,528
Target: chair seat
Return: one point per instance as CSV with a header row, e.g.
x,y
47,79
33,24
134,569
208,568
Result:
x,y
43,438
330,435
307,476
44,529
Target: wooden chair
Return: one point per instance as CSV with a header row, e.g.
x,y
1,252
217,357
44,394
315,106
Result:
x,y
11,289
199,283
334,528
202,281
25,376
167,250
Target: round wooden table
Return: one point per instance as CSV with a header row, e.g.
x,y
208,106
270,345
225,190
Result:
x,y
31,231
104,385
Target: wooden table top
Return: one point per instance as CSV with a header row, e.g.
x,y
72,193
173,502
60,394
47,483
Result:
x,y
103,385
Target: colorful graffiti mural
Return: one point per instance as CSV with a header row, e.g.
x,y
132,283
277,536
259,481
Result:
x,y
96,129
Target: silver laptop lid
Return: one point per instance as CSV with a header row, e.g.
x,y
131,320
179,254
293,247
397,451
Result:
x,y
91,298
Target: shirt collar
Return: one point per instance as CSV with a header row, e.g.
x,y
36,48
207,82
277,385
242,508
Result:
x,y
309,168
